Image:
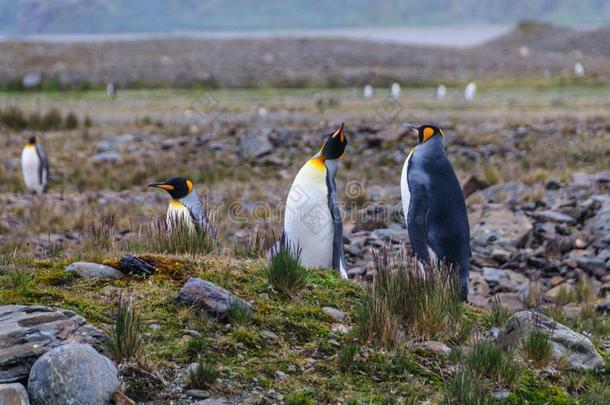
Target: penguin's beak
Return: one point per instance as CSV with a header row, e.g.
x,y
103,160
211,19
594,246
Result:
x,y
161,184
413,128
340,133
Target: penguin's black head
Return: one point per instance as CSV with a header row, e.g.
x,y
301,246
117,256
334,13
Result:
x,y
426,132
335,145
32,140
177,187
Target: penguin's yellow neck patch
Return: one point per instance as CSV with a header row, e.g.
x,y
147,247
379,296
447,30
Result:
x,y
317,163
30,146
175,203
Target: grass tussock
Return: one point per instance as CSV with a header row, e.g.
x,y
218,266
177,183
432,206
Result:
x,y
498,314
284,272
202,376
125,340
406,302
537,348
464,389
176,237
19,280
488,360
238,313
254,247
101,238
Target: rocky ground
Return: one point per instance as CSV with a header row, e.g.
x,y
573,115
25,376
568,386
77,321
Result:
x,y
533,164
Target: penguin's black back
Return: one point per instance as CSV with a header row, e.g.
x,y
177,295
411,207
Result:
x,y
433,183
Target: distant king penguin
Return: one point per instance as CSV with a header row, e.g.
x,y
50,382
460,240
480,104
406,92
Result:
x,y
185,206
313,220
34,166
434,205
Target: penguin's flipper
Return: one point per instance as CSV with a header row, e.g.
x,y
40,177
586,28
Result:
x,y
417,220
195,207
335,212
43,169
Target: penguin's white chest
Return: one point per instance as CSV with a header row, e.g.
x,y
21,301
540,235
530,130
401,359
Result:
x,y
404,186
30,166
308,221
178,213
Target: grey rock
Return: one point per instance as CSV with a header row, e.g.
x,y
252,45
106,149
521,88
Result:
x,y
27,332
270,335
72,374
568,345
89,270
554,216
198,394
494,226
334,313
505,280
356,271
511,301
600,222
106,157
432,347
254,145
500,193
13,394
210,297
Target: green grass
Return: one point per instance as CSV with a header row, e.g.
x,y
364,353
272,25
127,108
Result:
x,y
125,337
203,375
338,365
284,272
537,348
488,360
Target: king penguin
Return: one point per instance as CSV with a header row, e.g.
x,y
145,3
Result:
x,y
35,166
434,206
185,206
313,222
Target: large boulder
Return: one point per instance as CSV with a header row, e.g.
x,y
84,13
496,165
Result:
x,y
27,332
13,394
72,374
89,270
568,345
495,226
214,299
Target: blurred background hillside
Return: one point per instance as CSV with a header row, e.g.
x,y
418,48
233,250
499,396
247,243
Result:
x,y
103,16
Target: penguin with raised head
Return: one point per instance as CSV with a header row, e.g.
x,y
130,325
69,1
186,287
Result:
x,y
185,208
35,166
434,206
313,222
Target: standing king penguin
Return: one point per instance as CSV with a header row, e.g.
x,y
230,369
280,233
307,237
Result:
x,y
185,206
313,222
434,206
35,166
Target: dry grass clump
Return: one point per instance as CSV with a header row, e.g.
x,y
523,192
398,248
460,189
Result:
x,y
176,237
257,245
406,302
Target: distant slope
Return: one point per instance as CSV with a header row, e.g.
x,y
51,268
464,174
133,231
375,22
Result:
x,y
97,16
547,37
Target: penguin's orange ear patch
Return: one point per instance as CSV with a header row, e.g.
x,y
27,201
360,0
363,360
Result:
x,y
428,133
189,184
